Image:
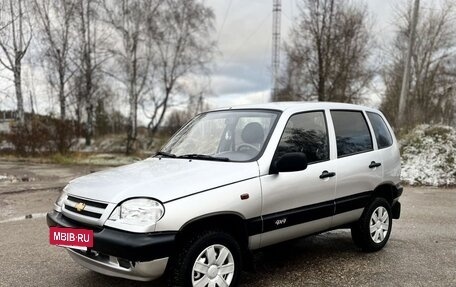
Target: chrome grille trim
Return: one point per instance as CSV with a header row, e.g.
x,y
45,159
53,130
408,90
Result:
x,y
94,212
88,207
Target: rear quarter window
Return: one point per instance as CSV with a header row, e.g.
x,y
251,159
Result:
x,y
382,134
352,133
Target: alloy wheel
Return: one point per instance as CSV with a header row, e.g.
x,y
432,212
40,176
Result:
x,y
214,267
379,224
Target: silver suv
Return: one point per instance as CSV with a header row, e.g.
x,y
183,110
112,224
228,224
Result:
x,y
236,180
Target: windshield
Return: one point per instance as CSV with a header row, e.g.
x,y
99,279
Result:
x,y
232,135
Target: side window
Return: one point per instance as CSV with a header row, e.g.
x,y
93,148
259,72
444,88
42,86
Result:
x,y
382,134
352,132
306,133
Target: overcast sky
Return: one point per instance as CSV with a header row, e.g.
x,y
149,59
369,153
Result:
x,y
242,68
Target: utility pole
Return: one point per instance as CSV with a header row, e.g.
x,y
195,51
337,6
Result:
x,y
406,77
276,13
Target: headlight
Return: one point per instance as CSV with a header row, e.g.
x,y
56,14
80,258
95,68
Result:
x,y
138,211
59,202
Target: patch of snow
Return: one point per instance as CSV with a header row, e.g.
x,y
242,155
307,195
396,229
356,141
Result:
x,y
429,156
8,178
13,179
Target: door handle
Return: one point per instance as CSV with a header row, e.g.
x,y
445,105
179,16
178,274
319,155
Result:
x,y
326,174
374,164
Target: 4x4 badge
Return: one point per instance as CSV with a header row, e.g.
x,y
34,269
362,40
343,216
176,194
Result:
x,y
280,221
80,206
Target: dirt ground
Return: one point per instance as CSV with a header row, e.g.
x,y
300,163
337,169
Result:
x,y
25,176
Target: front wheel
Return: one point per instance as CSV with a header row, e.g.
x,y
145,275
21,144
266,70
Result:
x,y
372,231
210,258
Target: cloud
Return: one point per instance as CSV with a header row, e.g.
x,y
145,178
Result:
x,y
237,99
227,85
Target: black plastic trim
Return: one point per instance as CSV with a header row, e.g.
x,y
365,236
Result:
x,y
352,202
374,164
396,210
127,245
326,174
399,190
83,212
295,216
254,226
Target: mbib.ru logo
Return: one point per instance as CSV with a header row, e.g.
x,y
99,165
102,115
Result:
x,y
71,237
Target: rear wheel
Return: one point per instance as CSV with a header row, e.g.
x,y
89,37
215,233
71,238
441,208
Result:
x,y
210,258
373,229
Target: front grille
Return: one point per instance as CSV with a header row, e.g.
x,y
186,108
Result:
x,y
91,209
88,202
83,212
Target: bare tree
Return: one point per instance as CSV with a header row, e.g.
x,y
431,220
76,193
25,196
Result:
x,y
328,53
129,20
55,19
88,60
433,68
14,41
182,45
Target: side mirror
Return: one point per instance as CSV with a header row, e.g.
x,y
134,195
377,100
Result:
x,y
293,161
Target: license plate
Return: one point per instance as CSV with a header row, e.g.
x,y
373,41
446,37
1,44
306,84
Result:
x,y
71,237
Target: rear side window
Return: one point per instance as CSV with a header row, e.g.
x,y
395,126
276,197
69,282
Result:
x,y
306,133
382,134
352,133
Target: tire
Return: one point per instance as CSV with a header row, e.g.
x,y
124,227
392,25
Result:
x,y
191,265
377,216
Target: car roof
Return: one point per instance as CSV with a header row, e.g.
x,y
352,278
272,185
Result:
x,y
301,106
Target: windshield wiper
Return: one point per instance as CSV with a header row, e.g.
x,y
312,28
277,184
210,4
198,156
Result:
x,y
164,153
203,156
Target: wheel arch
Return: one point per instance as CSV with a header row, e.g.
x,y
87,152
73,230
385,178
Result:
x,y
386,190
231,222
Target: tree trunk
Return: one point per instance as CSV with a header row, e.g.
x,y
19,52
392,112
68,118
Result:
x,y
131,129
162,114
19,97
62,96
321,73
89,125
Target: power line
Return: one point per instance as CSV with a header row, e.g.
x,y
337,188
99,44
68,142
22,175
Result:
x,y
257,28
224,19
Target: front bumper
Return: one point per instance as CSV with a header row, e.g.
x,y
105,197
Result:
x,y
136,256
113,266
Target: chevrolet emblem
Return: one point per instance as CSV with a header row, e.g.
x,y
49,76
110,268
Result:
x,y
80,206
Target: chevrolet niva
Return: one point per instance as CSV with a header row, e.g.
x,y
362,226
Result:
x,y
235,180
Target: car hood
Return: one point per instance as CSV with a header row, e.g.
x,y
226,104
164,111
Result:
x,y
164,179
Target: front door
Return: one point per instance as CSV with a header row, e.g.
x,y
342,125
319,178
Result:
x,y
302,202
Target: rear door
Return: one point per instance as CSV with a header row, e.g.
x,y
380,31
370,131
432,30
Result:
x,y
302,202
385,143
358,164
